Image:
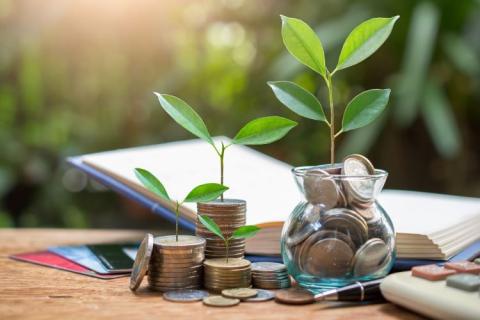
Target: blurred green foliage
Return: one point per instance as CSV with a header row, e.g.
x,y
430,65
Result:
x,y
78,77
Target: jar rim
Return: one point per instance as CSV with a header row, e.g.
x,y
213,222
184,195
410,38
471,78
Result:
x,y
302,172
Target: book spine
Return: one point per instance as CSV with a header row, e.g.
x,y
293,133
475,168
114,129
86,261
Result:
x,y
124,190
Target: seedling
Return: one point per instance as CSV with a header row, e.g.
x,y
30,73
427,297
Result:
x,y
302,43
202,193
256,132
242,232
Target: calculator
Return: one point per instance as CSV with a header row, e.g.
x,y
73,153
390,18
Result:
x,y
435,299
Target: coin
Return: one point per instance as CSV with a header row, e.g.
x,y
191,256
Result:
x,y
219,301
184,241
223,263
262,295
305,227
185,295
268,267
294,296
328,258
320,188
348,222
359,186
239,293
140,266
369,257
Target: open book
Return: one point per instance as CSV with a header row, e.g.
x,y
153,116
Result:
x,y
428,226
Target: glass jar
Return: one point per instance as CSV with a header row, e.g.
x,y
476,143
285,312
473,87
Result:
x,y
339,234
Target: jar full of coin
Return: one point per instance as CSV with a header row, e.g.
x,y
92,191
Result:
x,y
339,233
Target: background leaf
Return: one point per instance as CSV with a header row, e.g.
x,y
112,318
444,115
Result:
x,y
264,130
184,115
419,48
245,232
440,121
205,192
364,108
302,43
297,99
210,225
151,183
364,40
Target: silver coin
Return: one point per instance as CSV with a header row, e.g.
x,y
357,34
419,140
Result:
x,y
369,257
320,188
185,295
268,267
304,226
262,295
184,242
142,259
328,258
360,187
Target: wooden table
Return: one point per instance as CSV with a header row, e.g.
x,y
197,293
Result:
x,y
28,291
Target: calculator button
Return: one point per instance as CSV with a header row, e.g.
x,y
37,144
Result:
x,y
432,272
464,266
464,281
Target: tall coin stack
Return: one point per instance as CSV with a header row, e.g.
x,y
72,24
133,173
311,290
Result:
x,y
176,265
220,274
228,214
270,275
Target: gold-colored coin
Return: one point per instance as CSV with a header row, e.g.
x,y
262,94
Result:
x,y
219,301
239,293
226,264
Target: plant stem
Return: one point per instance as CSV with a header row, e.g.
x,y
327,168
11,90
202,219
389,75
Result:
x,y
176,220
332,118
222,154
226,248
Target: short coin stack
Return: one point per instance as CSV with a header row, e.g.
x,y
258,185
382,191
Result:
x,y
175,264
341,231
220,274
228,214
270,275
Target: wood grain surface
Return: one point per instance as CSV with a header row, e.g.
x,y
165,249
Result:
x,y
34,292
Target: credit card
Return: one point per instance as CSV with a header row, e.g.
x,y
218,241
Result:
x,y
52,260
81,255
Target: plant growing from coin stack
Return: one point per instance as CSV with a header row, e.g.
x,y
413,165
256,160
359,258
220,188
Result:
x,y
242,232
259,131
202,193
302,43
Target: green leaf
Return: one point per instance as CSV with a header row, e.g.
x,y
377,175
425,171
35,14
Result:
x,y
302,43
245,232
206,192
364,40
210,225
184,115
264,130
151,183
297,99
364,108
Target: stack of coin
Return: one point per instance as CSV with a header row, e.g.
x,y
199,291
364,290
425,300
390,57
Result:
x,y
229,215
270,275
176,264
340,231
220,274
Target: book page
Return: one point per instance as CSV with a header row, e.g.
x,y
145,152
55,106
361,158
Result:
x,y
264,182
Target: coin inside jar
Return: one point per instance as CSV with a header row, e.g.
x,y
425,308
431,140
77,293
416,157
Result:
x,y
320,188
359,187
369,257
328,258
